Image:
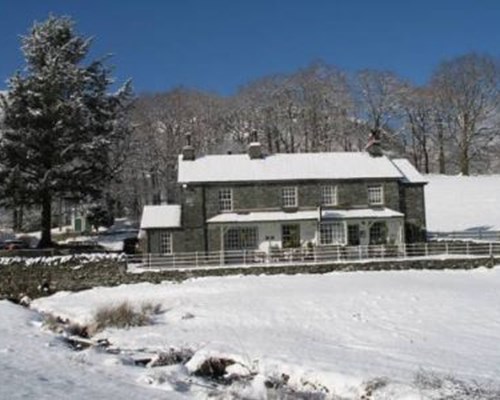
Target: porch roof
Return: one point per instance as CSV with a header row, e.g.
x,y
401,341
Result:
x,y
165,216
278,216
361,213
264,216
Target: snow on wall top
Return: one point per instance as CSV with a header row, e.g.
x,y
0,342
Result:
x,y
166,216
283,167
409,171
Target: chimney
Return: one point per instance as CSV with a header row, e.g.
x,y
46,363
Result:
x,y
373,147
254,148
188,150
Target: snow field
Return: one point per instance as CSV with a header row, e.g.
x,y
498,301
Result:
x,y
458,203
336,331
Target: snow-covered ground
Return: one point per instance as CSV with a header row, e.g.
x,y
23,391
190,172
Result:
x,y
34,364
459,203
334,331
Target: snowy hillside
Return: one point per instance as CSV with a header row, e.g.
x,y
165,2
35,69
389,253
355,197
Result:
x,y
335,331
458,203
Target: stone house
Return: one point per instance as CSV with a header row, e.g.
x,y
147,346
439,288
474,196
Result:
x,y
257,202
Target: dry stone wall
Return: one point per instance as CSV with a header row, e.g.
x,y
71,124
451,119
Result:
x,y
18,279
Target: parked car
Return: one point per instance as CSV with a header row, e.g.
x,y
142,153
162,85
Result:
x,y
131,245
83,246
15,244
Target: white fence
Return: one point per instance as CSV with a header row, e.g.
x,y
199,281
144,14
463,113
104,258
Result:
x,y
314,255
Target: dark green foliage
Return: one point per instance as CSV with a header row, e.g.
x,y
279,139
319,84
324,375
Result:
x,y
99,215
60,122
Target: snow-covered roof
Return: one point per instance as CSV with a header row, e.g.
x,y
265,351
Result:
x,y
271,216
410,173
166,216
284,167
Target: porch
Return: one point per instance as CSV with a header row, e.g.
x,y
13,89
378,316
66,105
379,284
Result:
x,y
281,233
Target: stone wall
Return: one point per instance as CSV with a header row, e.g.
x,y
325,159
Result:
x,y
18,280
267,196
413,206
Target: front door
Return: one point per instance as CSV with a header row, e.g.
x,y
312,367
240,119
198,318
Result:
x,y
353,235
290,236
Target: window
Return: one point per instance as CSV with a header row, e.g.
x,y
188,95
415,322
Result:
x,y
378,233
225,200
332,233
290,236
166,242
244,238
329,195
375,195
289,196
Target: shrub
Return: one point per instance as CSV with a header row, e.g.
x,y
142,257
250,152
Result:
x,y
124,315
452,388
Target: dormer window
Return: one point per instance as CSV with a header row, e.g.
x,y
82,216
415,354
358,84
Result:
x,y
289,197
329,195
225,200
375,195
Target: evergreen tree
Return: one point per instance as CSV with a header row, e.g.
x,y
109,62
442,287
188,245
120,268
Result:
x,y
60,122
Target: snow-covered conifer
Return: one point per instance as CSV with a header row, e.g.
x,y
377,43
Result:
x,y
60,122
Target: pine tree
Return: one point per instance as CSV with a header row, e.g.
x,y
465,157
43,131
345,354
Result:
x,y
60,122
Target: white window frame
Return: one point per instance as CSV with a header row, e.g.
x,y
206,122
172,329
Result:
x,y
289,197
329,195
225,200
375,194
166,242
332,233
241,238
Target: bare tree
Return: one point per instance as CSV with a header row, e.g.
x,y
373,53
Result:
x,y
420,124
379,94
467,88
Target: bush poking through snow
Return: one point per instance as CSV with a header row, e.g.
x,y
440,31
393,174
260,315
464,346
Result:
x,y
124,315
372,386
451,388
214,368
171,357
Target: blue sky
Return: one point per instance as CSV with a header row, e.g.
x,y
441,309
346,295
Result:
x,y
219,45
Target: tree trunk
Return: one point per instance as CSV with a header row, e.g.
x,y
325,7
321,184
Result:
x,y
15,220
441,156
464,160
426,154
46,239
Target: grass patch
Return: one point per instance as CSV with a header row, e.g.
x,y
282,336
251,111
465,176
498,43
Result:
x,y
124,315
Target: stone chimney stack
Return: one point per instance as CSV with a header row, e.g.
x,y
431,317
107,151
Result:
x,y
373,147
188,150
254,148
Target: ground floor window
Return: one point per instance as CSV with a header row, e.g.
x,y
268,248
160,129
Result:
x,y
166,242
290,236
242,238
378,233
332,233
